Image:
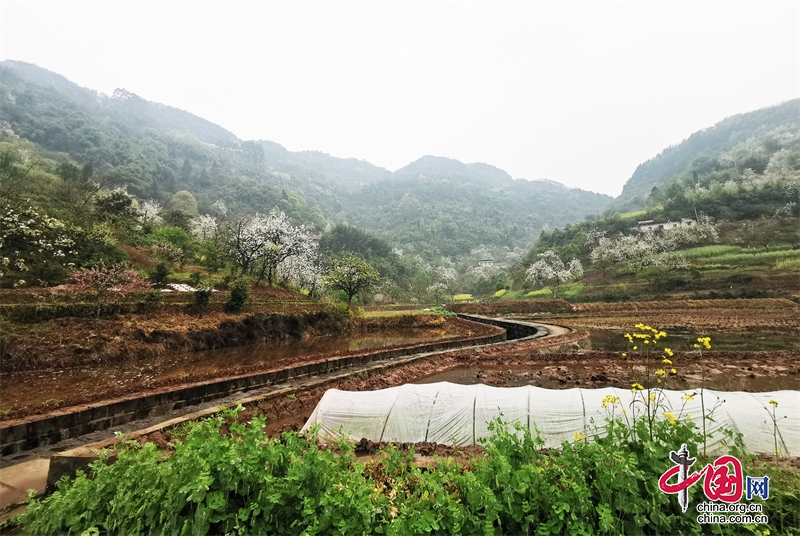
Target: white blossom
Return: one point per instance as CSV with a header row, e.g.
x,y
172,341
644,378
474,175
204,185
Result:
x,y
549,271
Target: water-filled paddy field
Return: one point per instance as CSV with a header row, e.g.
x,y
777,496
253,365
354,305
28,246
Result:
x,y
42,389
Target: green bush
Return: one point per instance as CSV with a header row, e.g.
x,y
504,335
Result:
x,y
240,292
153,300
202,297
439,310
160,274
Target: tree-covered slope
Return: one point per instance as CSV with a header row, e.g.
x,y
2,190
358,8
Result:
x,y
437,206
701,151
434,206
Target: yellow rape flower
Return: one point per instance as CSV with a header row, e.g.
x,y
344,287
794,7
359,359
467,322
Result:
x,y
666,361
637,387
688,397
635,347
671,417
624,354
660,372
669,352
579,436
652,397
610,399
773,402
673,371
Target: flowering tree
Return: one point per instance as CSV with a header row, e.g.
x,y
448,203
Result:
x,y
261,243
604,254
105,283
167,253
549,271
29,238
448,277
148,213
437,290
351,275
305,269
205,228
220,210
649,249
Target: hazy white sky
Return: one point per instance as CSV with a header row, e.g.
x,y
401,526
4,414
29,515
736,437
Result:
x,y
580,93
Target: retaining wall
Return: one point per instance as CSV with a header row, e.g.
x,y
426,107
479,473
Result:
x,y
102,416
514,329
67,462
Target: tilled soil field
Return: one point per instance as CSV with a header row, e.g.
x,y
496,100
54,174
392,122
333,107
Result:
x,y
554,363
762,316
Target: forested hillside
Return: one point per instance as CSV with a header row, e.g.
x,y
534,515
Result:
x,y
433,207
743,141
437,206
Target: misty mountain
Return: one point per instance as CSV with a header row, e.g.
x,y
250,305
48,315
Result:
x,y
45,90
701,152
433,206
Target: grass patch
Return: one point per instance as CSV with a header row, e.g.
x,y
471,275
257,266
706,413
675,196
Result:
x,y
570,290
788,264
705,252
633,214
749,258
514,295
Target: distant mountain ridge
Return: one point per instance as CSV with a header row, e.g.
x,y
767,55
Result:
x,y
432,206
122,106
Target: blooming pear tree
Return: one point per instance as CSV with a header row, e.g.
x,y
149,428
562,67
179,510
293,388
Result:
x,y
148,212
437,290
28,238
551,272
305,270
261,243
205,228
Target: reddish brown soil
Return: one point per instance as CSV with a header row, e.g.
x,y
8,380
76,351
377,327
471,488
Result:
x,y
290,410
455,329
511,306
554,357
761,316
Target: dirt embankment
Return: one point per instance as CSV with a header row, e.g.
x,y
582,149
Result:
x,y
769,316
69,342
502,307
554,363
290,412
446,328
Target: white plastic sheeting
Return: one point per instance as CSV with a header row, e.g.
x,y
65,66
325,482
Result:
x,y
453,414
